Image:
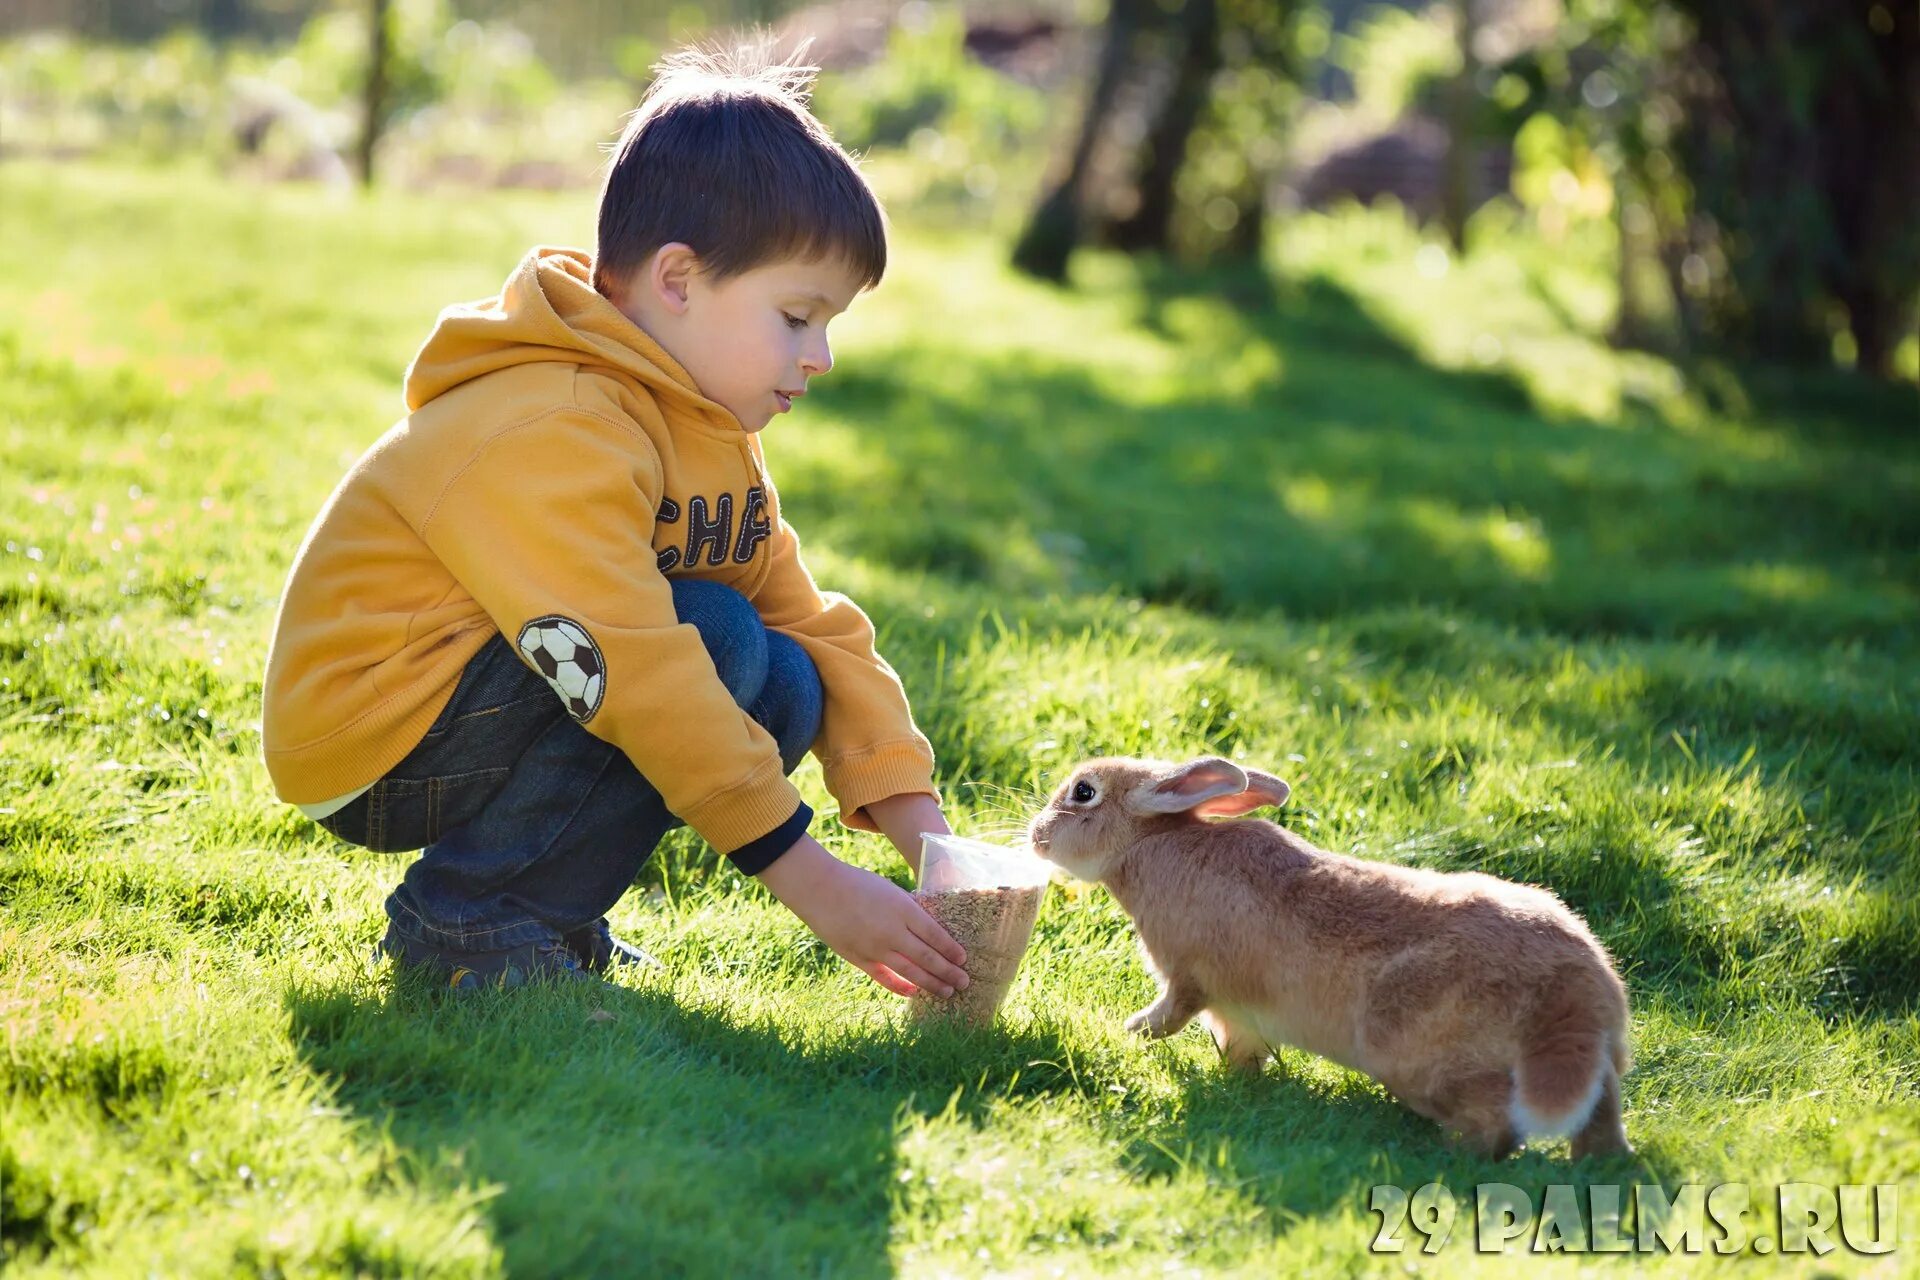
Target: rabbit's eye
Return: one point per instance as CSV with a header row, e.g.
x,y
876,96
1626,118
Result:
x,y
1083,793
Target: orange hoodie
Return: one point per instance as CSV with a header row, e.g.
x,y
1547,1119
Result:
x,y
556,462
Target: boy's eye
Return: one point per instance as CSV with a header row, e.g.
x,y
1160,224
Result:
x,y
1083,793
794,322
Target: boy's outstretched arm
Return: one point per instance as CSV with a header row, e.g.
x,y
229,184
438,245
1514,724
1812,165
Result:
x,y
869,748
869,921
903,819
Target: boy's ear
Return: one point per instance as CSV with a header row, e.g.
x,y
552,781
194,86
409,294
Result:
x,y
669,275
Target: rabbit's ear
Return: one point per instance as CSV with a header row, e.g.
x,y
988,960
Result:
x,y
1262,789
1192,785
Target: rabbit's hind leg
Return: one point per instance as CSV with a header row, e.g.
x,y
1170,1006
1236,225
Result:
x,y
1603,1134
1473,1103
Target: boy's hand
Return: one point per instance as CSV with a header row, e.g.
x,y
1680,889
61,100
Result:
x,y
869,921
904,818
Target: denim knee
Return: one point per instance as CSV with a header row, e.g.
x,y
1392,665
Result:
x,y
791,706
731,629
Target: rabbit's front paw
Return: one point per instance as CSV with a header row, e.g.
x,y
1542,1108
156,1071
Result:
x,y
1174,1009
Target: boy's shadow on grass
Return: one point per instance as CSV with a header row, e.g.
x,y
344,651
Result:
x,y
620,1131
625,1133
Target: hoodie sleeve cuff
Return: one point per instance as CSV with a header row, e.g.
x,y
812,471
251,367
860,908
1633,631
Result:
x,y
750,808
756,856
893,769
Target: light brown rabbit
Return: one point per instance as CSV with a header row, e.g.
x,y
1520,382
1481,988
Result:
x,y
1485,1005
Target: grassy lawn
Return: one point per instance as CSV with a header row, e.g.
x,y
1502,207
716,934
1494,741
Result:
x,y
1487,593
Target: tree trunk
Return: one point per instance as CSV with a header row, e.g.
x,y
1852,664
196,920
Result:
x,y
1630,328
1873,317
374,102
1051,235
1457,195
1251,289
1866,120
1150,225
1797,147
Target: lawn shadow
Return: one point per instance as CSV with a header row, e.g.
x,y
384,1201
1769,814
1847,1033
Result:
x,y
1357,477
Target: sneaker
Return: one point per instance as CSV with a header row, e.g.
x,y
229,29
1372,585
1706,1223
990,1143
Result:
x,y
598,950
545,961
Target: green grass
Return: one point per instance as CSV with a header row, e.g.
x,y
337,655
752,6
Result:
x,y
1489,594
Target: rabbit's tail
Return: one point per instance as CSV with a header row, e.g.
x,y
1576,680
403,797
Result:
x,y
1575,1046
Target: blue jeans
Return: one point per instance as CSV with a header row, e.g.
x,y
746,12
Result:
x,y
529,826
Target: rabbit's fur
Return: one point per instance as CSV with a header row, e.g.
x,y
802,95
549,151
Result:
x,y
1485,1005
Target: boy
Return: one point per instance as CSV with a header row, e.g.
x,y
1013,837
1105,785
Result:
x,y
555,611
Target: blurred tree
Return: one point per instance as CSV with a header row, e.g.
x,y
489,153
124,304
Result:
x,y
1055,228
1764,156
1462,101
1195,35
1206,84
1239,147
1802,143
374,102
224,16
141,21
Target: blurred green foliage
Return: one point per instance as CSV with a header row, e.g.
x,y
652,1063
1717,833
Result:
x,y
61,94
473,100
463,95
1395,56
1743,150
1239,148
957,121
1750,205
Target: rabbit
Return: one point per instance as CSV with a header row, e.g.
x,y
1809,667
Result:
x,y
1484,1005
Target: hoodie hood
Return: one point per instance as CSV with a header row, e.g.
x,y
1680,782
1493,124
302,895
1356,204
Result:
x,y
548,310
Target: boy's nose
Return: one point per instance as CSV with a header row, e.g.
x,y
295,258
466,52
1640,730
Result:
x,y
817,360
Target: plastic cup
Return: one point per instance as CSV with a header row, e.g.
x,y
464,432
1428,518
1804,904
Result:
x,y
987,897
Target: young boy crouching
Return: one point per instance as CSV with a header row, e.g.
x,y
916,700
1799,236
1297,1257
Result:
x,y
555,611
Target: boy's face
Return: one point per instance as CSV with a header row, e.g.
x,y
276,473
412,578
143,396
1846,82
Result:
x,y
752,342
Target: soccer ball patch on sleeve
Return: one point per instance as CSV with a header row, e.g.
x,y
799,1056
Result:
x,y
561,650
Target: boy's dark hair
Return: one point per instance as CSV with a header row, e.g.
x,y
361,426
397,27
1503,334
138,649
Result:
x,y
723,155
